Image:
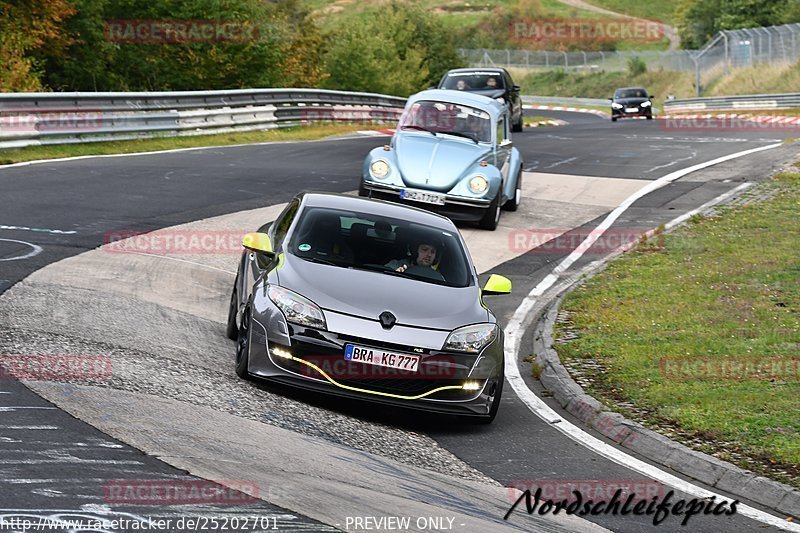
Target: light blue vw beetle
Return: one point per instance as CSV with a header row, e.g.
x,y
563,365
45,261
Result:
x,y
452,154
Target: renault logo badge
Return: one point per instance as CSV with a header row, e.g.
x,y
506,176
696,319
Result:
x,y
387,319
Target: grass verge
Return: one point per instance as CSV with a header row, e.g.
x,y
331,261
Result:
x,y
32,153
668,329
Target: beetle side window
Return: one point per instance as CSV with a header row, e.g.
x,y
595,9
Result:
x,y
502,132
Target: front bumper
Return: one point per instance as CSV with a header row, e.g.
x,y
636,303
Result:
x,y
314,360
640,112
456,208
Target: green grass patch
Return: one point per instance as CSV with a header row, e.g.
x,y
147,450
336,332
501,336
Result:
x,y
32,153
660,10
724,289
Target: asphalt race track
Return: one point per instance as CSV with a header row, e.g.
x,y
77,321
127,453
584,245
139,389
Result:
x,y
53,463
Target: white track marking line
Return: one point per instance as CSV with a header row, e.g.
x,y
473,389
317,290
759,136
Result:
x,y
514,331
36,250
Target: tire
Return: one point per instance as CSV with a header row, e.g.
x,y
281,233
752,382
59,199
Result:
x,y
232,329
498,393
517,126
362,191
492,216
649,117
513,203
243,346
613,119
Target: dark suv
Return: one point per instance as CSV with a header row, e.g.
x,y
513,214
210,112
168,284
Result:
x,y
631,102
492,82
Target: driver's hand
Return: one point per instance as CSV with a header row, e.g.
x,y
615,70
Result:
x,y
401,268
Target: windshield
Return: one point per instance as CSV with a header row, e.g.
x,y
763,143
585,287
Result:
x,y
442,117
473,81
349,239
630,93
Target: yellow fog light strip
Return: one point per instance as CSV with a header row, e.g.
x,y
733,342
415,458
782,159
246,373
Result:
x,y
318,369
280,352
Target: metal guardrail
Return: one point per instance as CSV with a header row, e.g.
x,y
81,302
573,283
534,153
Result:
x,y
563,100
30,119
750,102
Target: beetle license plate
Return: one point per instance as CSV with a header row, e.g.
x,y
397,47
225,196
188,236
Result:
x,y
376,356
422,196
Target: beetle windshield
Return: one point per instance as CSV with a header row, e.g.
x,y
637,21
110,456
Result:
x,y
444,117
473,81
368,241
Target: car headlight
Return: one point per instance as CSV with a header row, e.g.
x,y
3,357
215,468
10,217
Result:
x,y
471,339
646,104
615,105
379,168
478,184
297,309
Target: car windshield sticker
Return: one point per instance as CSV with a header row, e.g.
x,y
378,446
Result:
x,y
304,247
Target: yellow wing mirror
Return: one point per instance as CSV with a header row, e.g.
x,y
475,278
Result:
x,y
497,285
258,242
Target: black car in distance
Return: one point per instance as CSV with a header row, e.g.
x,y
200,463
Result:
x,y
492,82
631,102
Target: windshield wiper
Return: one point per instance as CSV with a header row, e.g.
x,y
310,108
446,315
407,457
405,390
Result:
x,y
384,269
461,134
417,128
320,261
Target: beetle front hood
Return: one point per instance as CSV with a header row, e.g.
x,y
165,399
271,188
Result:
x,y
367,294
436,163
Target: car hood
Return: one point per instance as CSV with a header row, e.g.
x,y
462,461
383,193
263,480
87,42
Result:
x,y
631,101
436,163
367,294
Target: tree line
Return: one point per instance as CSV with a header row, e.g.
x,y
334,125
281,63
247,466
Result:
x,y
171,45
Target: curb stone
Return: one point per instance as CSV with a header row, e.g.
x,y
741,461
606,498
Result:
x,y
637,438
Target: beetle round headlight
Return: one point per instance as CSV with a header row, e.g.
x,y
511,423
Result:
x,y
379,168
478,184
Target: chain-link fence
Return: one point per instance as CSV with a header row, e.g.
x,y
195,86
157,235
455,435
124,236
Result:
x,y
728,49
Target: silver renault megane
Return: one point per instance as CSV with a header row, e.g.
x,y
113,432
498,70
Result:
x,y
368,299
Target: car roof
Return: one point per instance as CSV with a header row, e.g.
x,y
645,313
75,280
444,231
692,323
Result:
x,y
631,89
376,207
493,70
450,96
